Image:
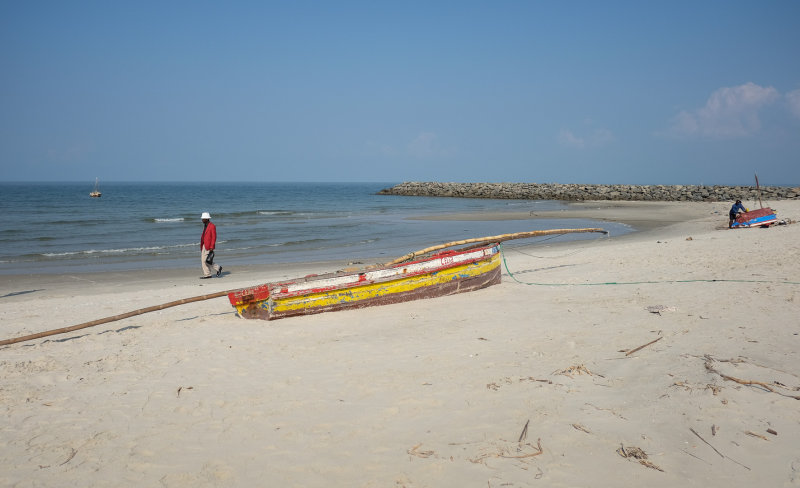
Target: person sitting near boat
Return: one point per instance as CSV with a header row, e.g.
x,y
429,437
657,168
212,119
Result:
x,y
208,240
736,210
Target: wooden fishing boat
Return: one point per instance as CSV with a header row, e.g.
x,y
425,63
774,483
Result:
x,y
761,217
441,274
422,274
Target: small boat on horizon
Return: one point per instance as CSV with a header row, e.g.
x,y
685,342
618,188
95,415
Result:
x,y
96,193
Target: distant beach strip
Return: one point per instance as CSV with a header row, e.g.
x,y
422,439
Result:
x,y
577,192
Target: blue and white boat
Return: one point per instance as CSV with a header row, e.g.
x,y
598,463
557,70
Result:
x,y
762,217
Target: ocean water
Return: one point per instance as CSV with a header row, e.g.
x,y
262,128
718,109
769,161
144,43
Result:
x,y
58,228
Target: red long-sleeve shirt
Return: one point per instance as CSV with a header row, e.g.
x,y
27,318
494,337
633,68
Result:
x,y
209,237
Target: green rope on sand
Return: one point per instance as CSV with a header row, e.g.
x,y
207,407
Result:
x,y
505,263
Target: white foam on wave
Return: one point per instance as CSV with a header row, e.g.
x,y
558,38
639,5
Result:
x,y
117,251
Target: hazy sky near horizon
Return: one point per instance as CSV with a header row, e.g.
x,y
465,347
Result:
x,y
671,92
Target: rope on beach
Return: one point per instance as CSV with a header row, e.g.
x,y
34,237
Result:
x,y
498,239
505,263
516,249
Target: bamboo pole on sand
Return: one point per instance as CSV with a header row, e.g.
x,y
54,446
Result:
x,y
84,325
498,238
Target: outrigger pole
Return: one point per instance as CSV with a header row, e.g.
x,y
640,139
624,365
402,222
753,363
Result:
x,y
84,325
499,238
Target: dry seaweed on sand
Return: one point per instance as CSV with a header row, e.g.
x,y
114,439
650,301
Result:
x,y
581,428
638,454
710,367
577,369
414,451
715,389
657,309
521,451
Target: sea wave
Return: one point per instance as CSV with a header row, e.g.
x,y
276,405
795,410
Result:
x,y
145,249
57,227
101,251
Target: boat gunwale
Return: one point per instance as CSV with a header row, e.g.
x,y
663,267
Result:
x,y
491,276
266,291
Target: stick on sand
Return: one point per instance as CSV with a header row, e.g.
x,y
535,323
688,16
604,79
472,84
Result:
x,y
642,347
114,318
498,238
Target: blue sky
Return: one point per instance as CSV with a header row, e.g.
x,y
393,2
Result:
x,y
672,92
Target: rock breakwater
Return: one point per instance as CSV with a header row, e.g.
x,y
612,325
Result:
x,y
577,192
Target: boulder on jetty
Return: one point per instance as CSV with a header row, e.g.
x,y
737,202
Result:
x,y
577,192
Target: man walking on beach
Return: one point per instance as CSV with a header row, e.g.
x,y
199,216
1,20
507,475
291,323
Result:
x,y
208,240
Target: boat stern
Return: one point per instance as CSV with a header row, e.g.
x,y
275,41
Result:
x,y
251,303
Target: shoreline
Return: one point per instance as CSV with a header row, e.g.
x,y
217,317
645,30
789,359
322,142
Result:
x,y
641,216
586,347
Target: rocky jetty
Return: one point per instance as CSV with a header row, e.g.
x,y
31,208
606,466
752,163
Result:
x,y
576,192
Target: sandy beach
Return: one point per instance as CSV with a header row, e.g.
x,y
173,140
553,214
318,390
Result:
x,y
666,357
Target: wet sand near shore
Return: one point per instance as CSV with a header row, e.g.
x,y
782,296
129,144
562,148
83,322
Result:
x,y
639,215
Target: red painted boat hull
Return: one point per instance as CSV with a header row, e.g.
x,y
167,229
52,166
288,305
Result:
x,y
762,217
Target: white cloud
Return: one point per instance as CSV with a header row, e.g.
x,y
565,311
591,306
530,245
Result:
x,y
373,147
426,145
596,138
793,98
567,138
730,112
601,137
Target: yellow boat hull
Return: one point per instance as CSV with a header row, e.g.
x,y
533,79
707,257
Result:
x,y
440,275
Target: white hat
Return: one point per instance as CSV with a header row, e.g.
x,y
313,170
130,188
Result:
x,y
205,215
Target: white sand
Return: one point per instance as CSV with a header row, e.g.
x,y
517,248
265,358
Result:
x,y
429,393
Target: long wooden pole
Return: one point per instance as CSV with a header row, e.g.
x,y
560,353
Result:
x,y
758,189
498,238
113,319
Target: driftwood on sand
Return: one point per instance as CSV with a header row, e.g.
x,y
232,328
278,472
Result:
x,y
709,366
114,318
642,346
